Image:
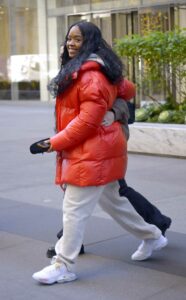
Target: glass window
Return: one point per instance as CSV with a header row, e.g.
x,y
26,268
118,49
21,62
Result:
x,y
150,19
153,18
27,39
20,51
123,24
57,28
103,21
75,18
4,51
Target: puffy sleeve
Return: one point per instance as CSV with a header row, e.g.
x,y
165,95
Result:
x,y
126,90
93,104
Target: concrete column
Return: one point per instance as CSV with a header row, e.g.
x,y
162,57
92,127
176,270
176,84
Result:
x,y
13,48
53,47
42,47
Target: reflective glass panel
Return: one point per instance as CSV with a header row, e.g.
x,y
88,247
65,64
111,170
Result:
x,y
5,91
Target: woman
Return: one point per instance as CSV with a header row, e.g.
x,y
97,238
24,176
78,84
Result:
x,y
150,213
91,157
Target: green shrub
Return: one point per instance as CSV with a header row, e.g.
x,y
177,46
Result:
x,y
165,116
141,114
163,56
161,113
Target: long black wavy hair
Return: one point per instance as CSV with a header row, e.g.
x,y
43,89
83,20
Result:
x,y
93,42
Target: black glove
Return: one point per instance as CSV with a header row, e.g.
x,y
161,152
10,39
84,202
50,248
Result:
x,y
40,146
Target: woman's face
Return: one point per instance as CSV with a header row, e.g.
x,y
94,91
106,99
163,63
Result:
x,y
74,41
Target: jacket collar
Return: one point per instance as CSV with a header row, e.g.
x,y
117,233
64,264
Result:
x,y
94,62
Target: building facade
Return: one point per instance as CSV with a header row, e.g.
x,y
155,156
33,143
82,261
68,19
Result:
x,y
31,33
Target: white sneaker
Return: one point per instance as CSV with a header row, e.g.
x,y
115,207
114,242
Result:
x,y
54,273
146,248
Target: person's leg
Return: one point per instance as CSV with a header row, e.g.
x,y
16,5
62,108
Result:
x,y
120,209
150,213
52,252
59,235
144,208
78,205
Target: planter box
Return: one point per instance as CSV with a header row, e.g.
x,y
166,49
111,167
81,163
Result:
x,y
158,139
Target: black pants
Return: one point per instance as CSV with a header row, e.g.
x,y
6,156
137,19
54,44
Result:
x,y
145,209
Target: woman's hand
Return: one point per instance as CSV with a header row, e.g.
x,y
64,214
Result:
x,y
48,143
108,118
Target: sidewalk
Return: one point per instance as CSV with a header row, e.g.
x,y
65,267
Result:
x,y
30,217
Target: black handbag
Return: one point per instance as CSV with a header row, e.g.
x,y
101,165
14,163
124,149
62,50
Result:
x,y
131,107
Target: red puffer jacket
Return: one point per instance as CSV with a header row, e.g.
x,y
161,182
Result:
x,y
87,152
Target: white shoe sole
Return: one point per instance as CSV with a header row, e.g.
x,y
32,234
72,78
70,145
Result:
x,y
141,258
72,277
63,279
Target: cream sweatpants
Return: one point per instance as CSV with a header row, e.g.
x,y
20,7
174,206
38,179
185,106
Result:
x,y
78,205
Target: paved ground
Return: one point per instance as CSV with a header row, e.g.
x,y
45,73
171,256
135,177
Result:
x,y
30,217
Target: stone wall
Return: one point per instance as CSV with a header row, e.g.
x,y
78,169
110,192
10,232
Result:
x,y
159,139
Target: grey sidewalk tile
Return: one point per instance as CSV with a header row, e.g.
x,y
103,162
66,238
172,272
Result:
x,y
99,277
170,260
43,223
174,292
33,221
